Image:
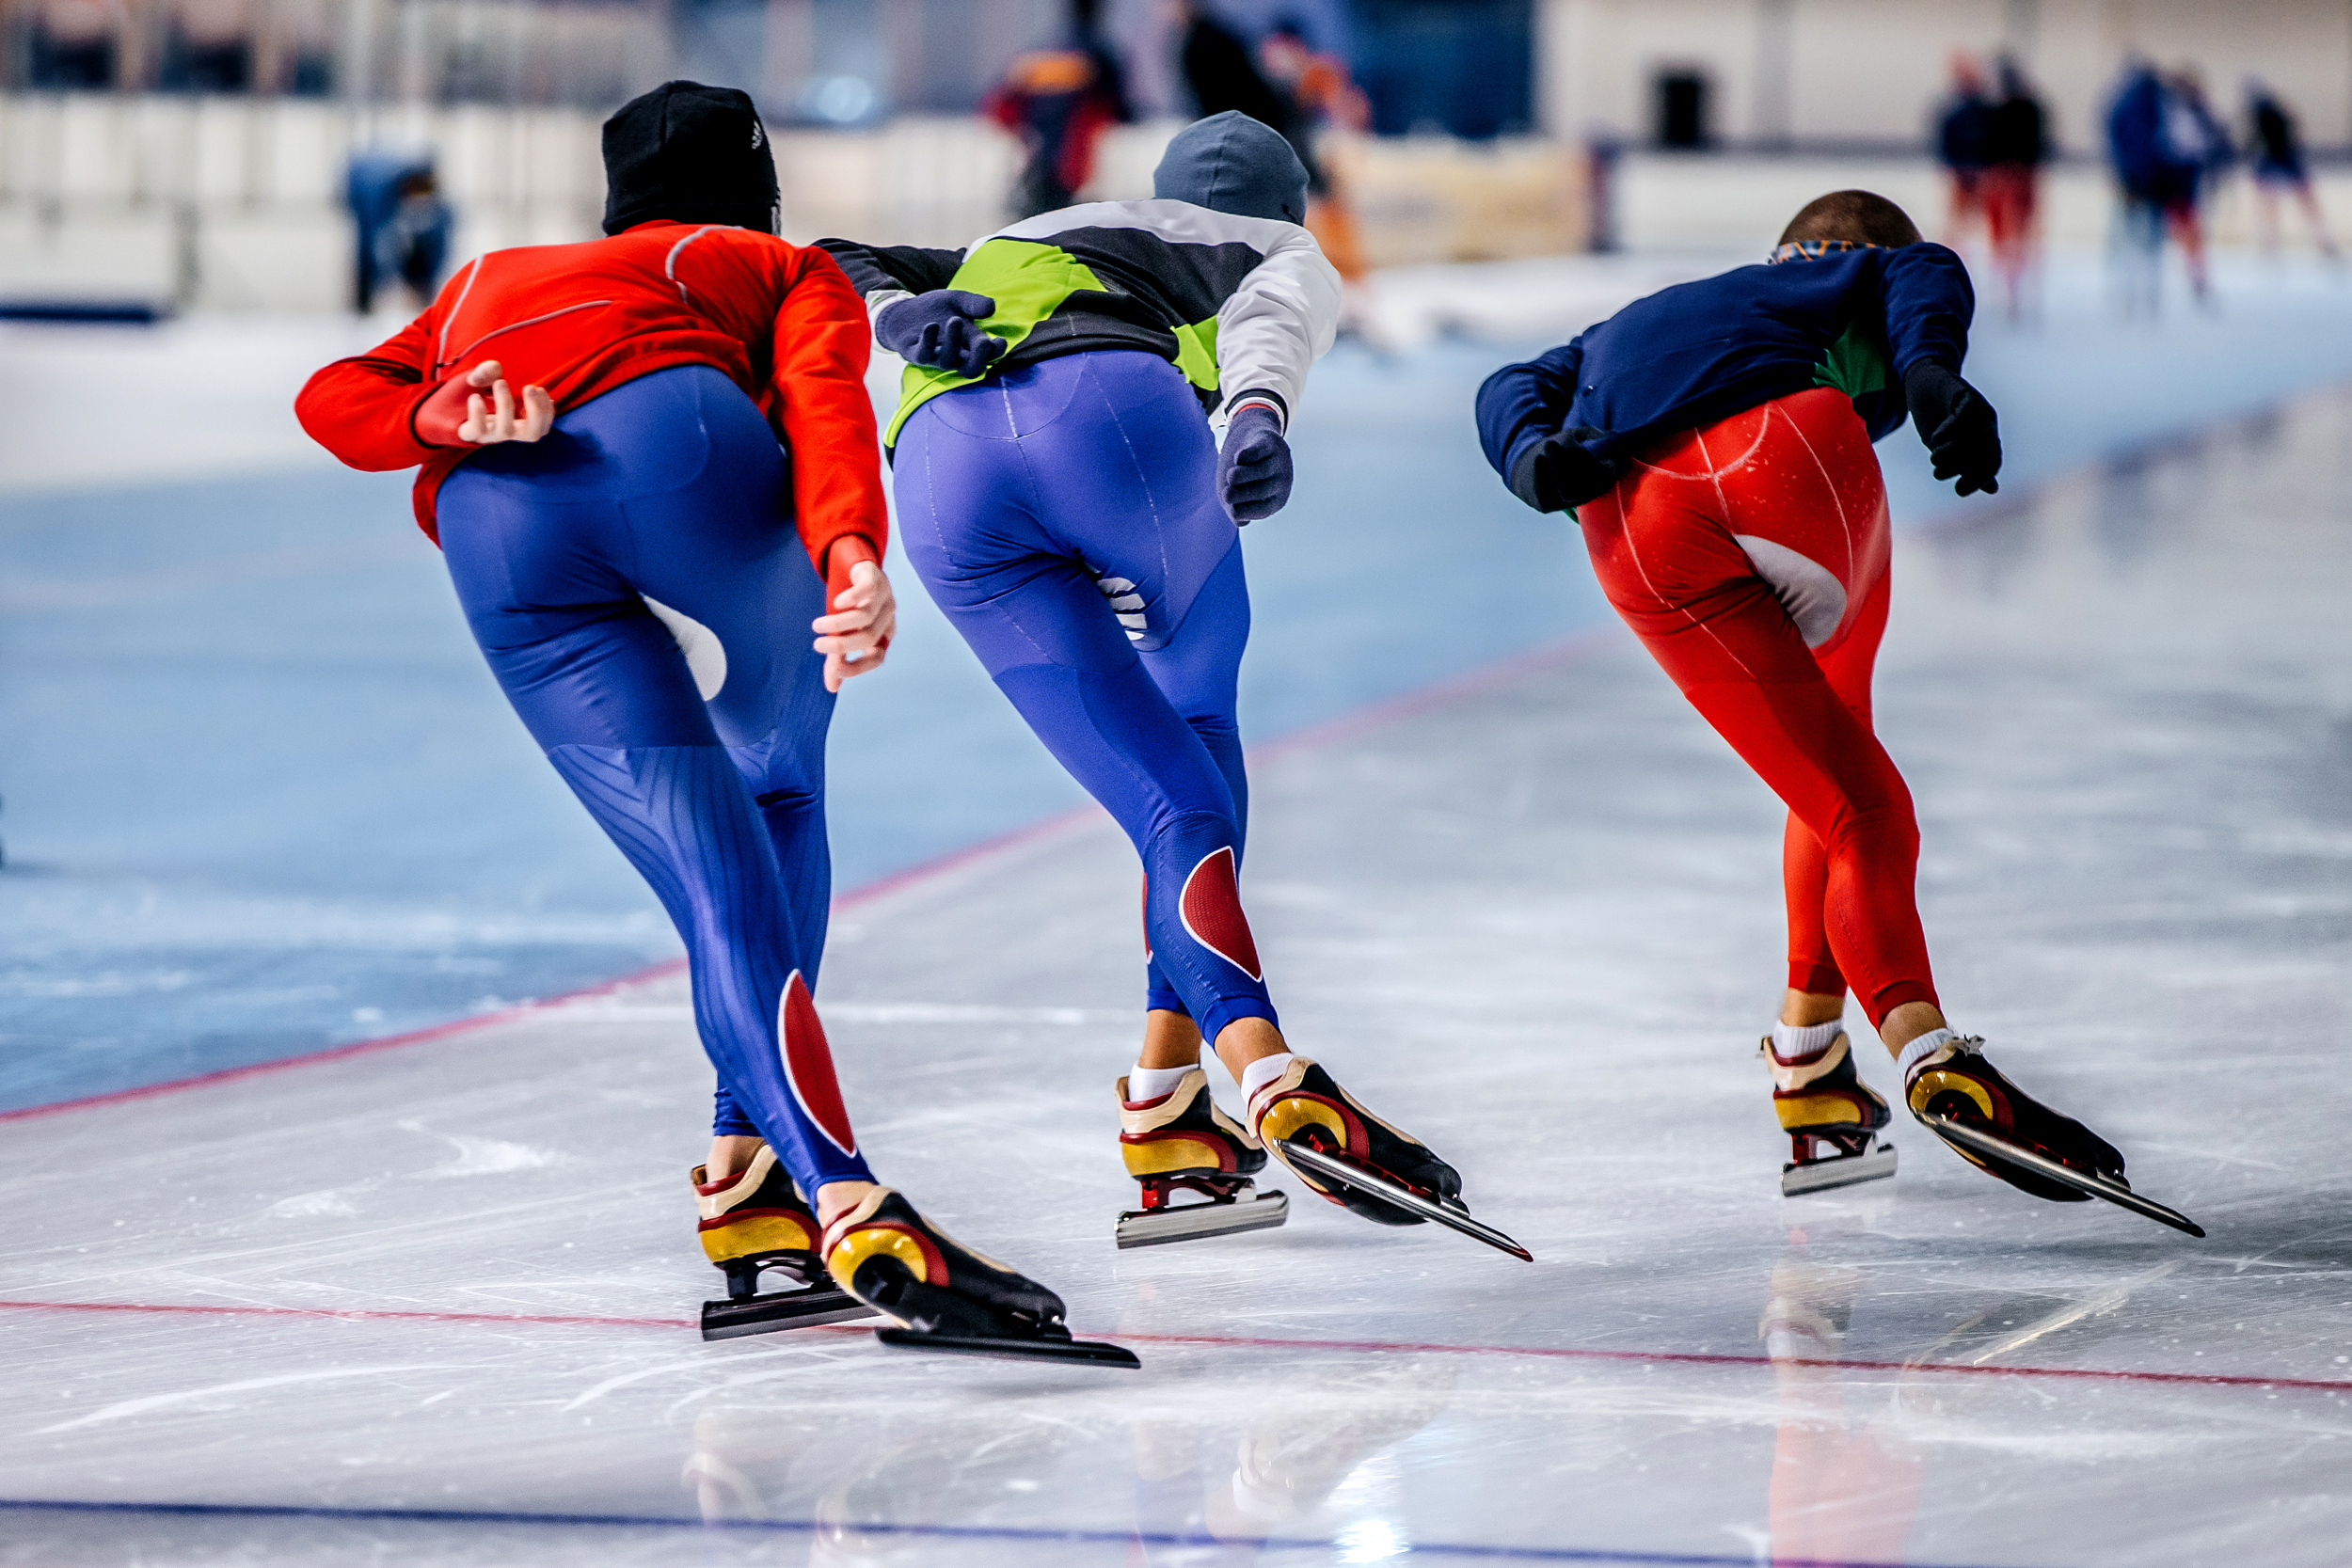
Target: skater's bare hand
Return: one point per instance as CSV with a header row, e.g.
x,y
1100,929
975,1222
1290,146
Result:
x,y
458,413
857,633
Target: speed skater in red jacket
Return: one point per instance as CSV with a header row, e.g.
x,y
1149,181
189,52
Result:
x,y
639,557
1714,443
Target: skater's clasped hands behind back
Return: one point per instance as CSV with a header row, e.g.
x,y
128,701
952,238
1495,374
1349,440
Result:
x,y
458,414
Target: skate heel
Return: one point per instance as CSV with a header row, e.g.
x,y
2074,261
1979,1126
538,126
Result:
x,y
1822,1161
747,1312
753,1222
1232,1208
1180,1142
1833,1119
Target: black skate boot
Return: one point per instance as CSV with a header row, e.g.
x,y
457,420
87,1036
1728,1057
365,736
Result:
x,y
1358,1161
753,1220
1832,1117
1997,1126
945,1297
1182,1143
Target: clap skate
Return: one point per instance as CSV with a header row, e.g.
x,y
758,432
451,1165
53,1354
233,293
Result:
x,y
944,1296
1182,1143
1832,1117
1994,1125
753,1220
1358,1161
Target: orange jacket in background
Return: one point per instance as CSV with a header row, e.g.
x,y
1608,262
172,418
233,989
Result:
x,y
779,320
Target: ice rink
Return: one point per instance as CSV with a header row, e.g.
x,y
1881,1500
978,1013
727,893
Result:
x,y
429,1298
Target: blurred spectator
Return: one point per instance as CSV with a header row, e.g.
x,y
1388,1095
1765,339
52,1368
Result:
x,y
2279,168
413,246
1218,70
208,47
400,224
1058,102
1960,145
2016,145
2165,145
1320,98
73,45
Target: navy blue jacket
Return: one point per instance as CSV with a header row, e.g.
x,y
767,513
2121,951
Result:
x,y
1696,352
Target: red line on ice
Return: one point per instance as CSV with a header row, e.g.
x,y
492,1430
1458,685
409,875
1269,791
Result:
x,y
1486,677
1222,1341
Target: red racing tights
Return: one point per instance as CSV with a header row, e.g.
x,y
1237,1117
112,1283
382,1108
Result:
x,y
1750,558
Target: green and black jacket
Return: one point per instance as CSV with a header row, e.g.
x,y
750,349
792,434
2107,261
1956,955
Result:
x,y
1244,306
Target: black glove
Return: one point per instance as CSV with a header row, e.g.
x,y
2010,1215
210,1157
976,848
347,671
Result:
x,y
1962,434
1561,472
940,330
1253,471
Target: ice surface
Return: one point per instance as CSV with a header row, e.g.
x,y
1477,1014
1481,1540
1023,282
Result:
x,y
434,1305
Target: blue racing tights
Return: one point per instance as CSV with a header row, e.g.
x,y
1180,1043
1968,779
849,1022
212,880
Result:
x,y
1065,517
636,585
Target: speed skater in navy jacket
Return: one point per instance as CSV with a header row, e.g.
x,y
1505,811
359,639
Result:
x,y
1859,317
1713,441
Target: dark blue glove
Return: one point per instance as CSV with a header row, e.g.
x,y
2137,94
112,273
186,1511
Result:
x,y
1253,472
1561,474
940,330
1962,433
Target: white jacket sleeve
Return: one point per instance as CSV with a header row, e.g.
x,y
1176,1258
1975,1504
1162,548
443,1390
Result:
x,y
1277,325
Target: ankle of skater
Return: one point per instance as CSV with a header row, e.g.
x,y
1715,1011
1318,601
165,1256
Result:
x,y
836,1198
1248,1041
730,1154
1905,1023
1171,1049
1806,1009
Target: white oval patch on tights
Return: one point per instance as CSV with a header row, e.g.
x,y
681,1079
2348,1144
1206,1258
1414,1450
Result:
x,y
706,656
1811,593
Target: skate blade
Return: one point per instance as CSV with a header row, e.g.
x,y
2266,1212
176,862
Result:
x,y
2025,1159
1844,1171
1158,1227
1091,1352
771,1314
1347,1174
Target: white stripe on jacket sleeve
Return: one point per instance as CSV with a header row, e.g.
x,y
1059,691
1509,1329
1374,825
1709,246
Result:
x,y
1279,323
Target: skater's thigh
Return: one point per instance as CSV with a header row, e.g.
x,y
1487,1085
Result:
x,y
1849,662
969,520
1671,569
1199,667
577,651
1128,483
1799,489
719,562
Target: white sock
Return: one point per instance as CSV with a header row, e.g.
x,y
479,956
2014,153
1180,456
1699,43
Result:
x,y
1265,1070
1919,1050
1149,1082
1797,1042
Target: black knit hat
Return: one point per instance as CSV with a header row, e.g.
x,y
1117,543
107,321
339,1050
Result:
x,y
691,154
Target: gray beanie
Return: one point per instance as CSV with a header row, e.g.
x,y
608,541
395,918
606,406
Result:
x,y
1231,162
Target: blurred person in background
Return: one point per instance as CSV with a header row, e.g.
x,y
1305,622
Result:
x,y
642,539
1959,147
1220,72
2279,168
2016,145
1322,98
377,183
2163,144
1059,102
208,46
73,45
413,244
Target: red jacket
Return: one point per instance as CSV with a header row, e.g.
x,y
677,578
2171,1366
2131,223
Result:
x,y
782,322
